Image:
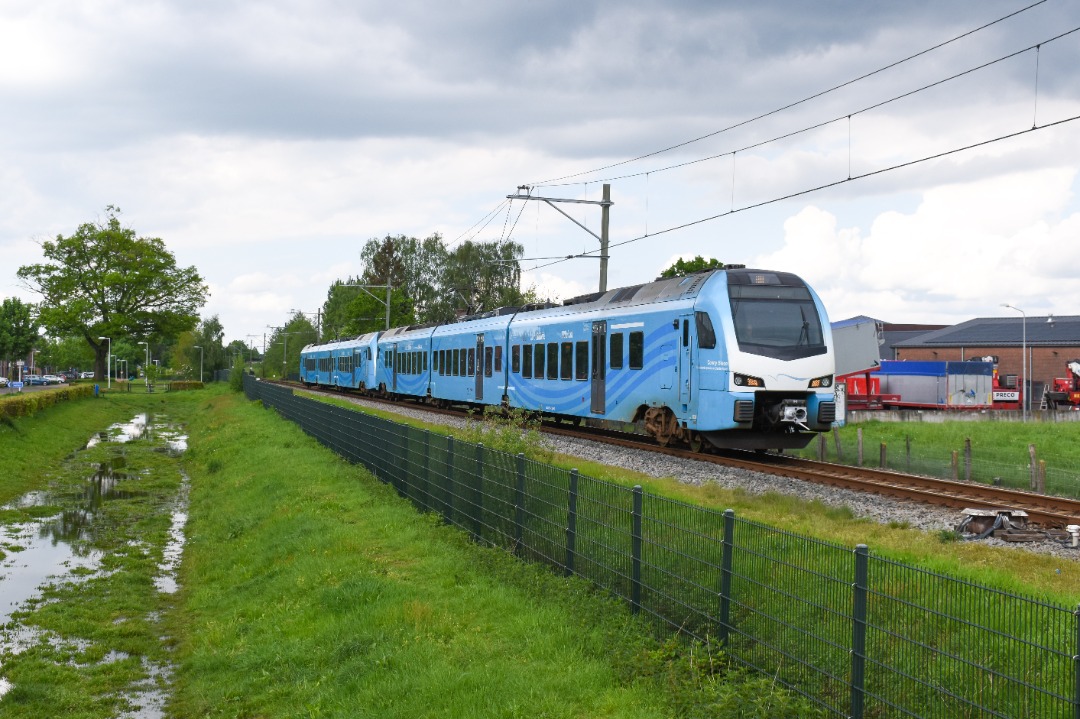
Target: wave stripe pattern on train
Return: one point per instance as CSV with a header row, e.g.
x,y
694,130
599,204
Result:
x,y
737,357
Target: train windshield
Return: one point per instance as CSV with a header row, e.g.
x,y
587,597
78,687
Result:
x,y
776,321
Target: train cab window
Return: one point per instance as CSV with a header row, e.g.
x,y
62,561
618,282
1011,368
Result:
x,y
538,361
566,358
686,333
582,360
553,360
489,360
498,358
706,335
472,362
368,353
526,361
637,350
615,351
515,359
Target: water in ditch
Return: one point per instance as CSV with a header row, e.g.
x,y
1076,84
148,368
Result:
x,y
118,502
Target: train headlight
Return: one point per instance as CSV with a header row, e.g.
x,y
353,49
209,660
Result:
x,y
745,380
820,382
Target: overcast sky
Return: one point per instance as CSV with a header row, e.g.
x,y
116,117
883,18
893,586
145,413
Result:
x,y
265,142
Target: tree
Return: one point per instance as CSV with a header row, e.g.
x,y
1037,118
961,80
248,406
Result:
x,y
104,281
682,267
18,329
293,337
480,276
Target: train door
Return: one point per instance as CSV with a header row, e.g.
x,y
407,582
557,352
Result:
x,y
479,366
395,360
358,367
685,360
598,367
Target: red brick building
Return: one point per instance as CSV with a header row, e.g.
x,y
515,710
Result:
x,y
1050,342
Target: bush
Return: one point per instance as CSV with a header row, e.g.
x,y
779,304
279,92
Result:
x,y
26,404
236,376
512,431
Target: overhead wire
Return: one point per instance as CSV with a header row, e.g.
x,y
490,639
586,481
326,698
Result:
x,y
824,186
486,220
815,96
847,115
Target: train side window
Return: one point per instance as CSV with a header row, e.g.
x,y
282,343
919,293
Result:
x,y
553,360
442,362
615,351
425,361
637,350
368,353
515,359
453,363
472,362
582,349
706,335
686,333
538,361
498,358
526,361
489,360
463,366
566,360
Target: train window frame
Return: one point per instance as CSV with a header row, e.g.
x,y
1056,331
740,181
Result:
x,y
489,360
472,362
636,350
706,333
553,354
581,360
539,354
526,361
454,362
498,358
686,333
515,359
566,360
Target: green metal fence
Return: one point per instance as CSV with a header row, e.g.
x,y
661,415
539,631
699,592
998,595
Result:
x,y
861,636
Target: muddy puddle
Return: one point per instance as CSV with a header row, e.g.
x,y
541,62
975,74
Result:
x,y
119,504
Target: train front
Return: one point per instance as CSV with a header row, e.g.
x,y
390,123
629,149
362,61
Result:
x,y
768,382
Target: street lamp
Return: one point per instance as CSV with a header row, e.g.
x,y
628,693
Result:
x,y
146,367
108,363
32,353
200,361
1026,385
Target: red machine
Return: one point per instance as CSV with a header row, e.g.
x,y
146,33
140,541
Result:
x,y
1065,393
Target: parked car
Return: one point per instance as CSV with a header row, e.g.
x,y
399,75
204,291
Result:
x,y
53,379
3,381
86,375
32,379
68,375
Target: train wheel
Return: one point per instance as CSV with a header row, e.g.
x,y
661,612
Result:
x,y
662,425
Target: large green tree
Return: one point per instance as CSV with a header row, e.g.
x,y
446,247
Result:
x,y
105,281
283,347
682,267
18,329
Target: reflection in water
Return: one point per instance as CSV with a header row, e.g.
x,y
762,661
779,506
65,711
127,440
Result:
x,y
52,548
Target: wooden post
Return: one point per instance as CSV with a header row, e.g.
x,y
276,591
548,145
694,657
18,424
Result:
x,y
955,465
822,445
907,442
1034,468
836,441
1042,476
882,460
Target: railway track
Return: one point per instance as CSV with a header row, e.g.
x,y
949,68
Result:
x,y
1043,510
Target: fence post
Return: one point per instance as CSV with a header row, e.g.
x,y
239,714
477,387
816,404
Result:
x,y
859,455
858,631
1042,476
1076,666
478,494
967,459
836,441
907,441
519,502
635,553
725,574
404,467
425,491
448,488
822,445
955,465
883,457
571,523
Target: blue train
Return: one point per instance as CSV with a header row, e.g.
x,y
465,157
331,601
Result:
x,y
737,358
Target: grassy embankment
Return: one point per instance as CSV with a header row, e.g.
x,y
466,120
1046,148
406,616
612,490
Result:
x,y
1009,569
309,588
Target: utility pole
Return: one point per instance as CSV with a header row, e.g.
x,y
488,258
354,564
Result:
x,y
605,206
367,288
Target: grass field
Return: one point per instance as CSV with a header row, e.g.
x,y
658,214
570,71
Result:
x,y
309,589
